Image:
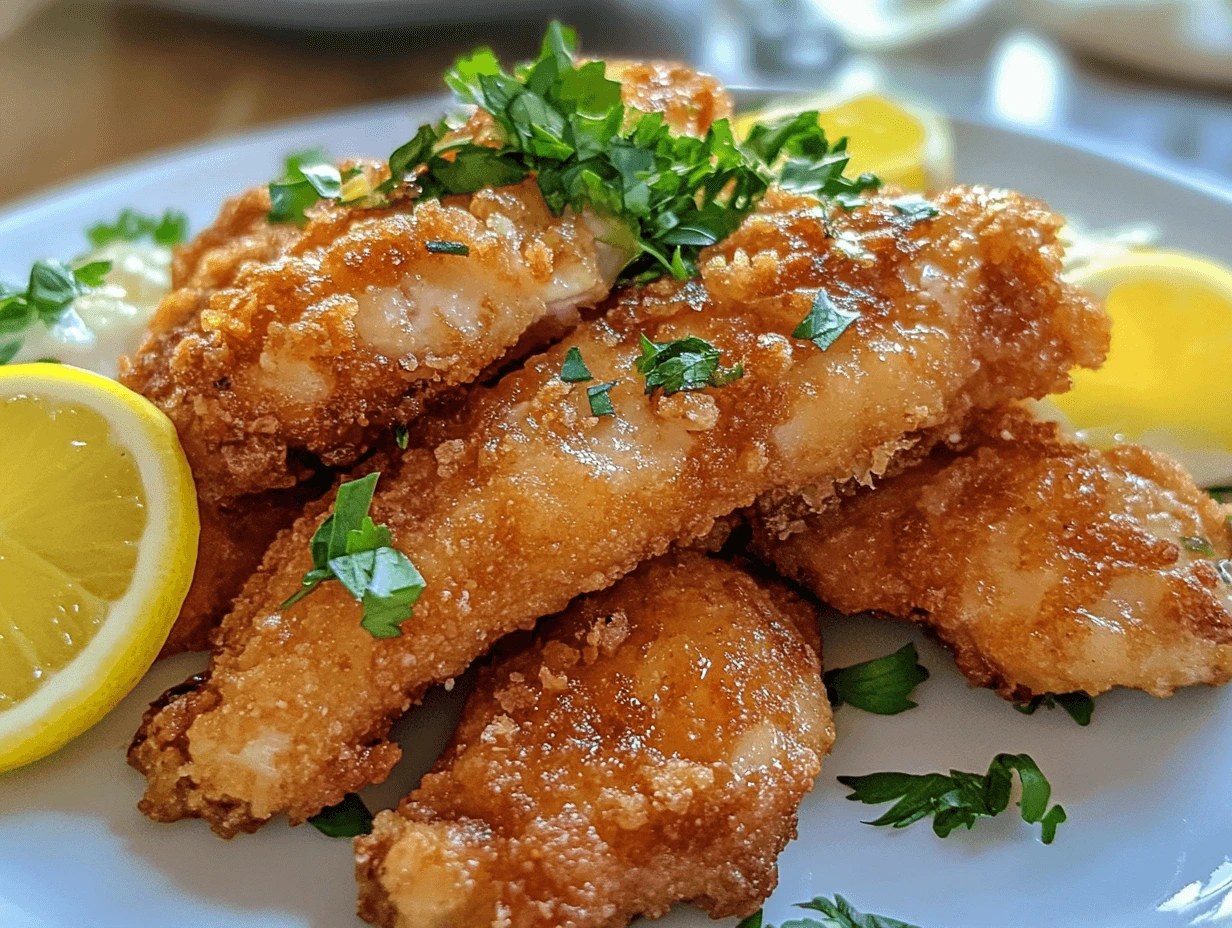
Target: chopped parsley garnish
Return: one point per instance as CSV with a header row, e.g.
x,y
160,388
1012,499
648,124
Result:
x,y
600,402
401,436
915,208
825,322
838,913
345,820
688,363
350,548
960,798
1221,494
448,248
47,298
665,197
169,229
882,685
1079,705
1199,546
308,176
574,369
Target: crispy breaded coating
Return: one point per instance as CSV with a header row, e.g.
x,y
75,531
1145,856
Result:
x,y
1045,565
651,747
527,500
280,347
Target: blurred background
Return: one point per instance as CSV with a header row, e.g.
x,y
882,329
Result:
x,y
88,83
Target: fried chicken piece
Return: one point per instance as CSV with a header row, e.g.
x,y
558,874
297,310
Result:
x,y
280,344
527,500
1045,565
651,747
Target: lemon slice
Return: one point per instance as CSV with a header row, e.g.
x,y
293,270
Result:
x,y
98,540
1168,379
907,144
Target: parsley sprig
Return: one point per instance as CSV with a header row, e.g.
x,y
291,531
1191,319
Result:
x,y
666,196
882,686
169,229
347,819
1079,705
959,799
838,913
48,298
350,548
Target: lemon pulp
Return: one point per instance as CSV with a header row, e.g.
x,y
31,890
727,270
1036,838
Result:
x,y
60,567
1166,381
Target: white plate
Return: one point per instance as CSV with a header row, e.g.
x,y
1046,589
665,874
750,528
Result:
x,y
1148,786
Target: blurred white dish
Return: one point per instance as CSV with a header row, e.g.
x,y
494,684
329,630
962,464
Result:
x,y
350,14
1145,786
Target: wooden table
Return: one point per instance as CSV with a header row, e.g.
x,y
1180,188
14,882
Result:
x,y
87,85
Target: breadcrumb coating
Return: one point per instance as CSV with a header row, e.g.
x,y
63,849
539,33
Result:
x,y
525,500
650,747
1045,565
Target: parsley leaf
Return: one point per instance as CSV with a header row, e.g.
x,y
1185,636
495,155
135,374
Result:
x,y
345,820
825,322
574,369
600,402
1079,705
663,197
308,176
959,799
448,248
350,548
1199,546
402,436
48,298
915,208
881,686
170,228
688,363
839,914
1221,494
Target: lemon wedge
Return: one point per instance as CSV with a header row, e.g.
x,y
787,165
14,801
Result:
x,y
1167,380
98,540
907,144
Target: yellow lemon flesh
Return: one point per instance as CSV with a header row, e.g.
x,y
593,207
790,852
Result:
x,y
1167,380
98,540
902,143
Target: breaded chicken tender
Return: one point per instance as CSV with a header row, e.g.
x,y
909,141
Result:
x,y
279,347
1045,565
526,499
651,747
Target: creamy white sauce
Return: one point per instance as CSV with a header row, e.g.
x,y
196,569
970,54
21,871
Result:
x,y
110,321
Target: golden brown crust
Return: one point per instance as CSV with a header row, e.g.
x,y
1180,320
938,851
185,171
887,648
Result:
x,y
689,100
1046,566
525,501
651,747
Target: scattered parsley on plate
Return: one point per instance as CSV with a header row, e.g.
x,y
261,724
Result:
x,y
838,913
1079,705
169,229
345,820
959,799
350,548
882,686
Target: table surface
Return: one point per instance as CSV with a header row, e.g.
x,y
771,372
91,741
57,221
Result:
x,y
85,85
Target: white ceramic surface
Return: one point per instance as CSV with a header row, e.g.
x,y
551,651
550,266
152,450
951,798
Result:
x,y
1146,786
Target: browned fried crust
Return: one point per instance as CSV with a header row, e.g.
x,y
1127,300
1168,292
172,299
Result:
x,y
1043,564
526,501
651,747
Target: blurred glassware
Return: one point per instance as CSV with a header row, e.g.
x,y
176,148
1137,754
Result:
x,y
1190,39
